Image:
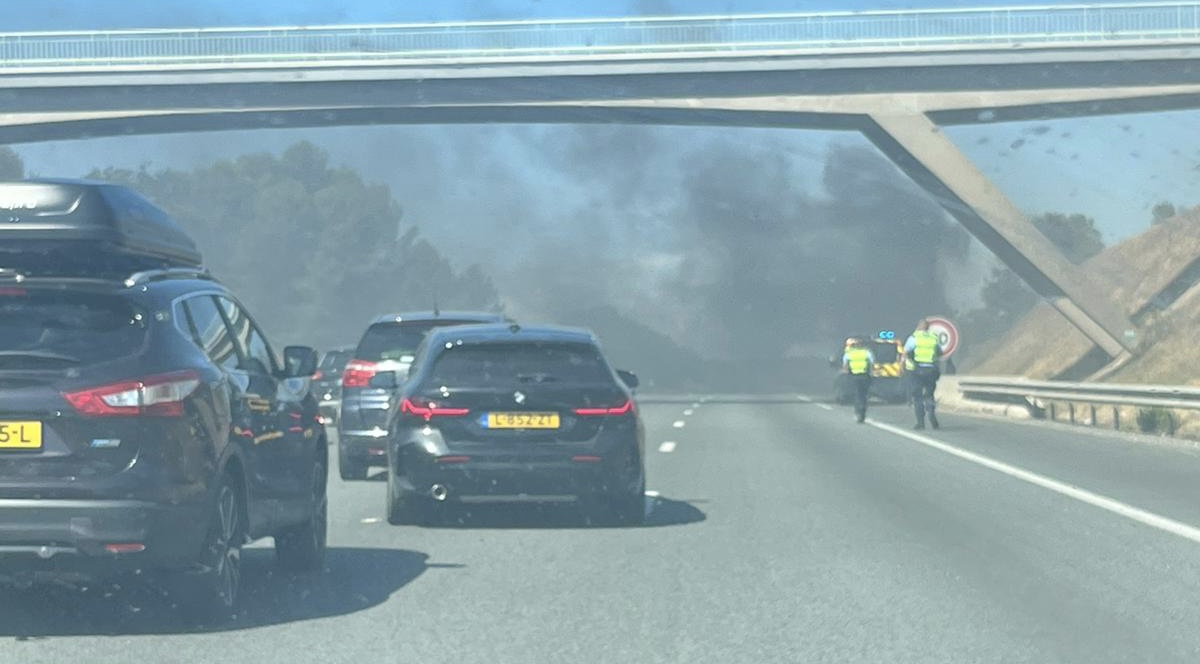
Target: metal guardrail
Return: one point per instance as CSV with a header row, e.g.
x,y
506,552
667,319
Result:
x,y
1038,394
883,30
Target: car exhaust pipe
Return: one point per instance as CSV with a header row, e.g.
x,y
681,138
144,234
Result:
x,y
439,492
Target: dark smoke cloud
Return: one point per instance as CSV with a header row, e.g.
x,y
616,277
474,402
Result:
x,y
721,243
727,243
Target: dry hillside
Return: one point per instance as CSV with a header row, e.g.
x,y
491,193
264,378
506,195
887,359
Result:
x,y
1133,273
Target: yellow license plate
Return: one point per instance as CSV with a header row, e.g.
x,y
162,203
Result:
x,y
522,421
20,435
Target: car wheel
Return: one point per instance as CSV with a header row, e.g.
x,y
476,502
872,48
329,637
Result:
x,y
407,509
302,547
212,592
625,507
629,509
351,470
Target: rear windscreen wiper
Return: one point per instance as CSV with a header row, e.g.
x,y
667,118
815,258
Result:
x,y
37,355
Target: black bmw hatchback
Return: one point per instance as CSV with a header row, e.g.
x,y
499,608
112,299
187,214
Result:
x,y
510,413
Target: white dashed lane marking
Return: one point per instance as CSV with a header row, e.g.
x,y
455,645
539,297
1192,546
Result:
x,y
1080,494
679,424
824,406
688,412
667,446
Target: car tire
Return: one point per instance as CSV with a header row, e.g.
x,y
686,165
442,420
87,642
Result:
x,y
628,509
212,592
301,548
351,471
625,507
407,509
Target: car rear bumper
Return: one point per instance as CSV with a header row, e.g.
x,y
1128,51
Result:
x,y
483,480
46,539
471,477
367,447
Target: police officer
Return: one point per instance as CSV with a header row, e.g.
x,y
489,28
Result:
x,y
922,351
857,362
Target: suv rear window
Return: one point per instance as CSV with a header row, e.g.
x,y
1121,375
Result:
x,y
395,341
40,330
334,362
505,364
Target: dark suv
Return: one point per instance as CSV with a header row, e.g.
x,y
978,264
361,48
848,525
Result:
x,y
327,382
386,349
146,424
504,413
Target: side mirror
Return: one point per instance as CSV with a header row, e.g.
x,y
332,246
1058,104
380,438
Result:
x,y
299,361
628,378
384,380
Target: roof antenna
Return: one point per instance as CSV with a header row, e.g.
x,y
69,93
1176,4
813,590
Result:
x,y
436,310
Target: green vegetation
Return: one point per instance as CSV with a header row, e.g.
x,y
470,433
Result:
x,y
1162,212
1075,235
311,248
1155,420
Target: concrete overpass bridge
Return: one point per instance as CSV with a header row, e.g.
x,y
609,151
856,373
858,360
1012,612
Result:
x,y
895,76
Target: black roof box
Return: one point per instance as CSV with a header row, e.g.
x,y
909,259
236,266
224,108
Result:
x,y
83,227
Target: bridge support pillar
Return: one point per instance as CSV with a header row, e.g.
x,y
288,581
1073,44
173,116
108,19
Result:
x,y
917,145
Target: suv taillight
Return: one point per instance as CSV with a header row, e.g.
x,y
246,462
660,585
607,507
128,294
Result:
x,y
161,395
624,409
428,411
358,373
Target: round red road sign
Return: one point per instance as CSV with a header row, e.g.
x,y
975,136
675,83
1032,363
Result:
x,y
946,332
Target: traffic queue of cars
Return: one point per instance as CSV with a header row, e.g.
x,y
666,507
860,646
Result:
x,y
468,407
148,426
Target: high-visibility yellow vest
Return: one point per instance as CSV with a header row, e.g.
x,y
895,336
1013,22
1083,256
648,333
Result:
x,y
926,350
858,360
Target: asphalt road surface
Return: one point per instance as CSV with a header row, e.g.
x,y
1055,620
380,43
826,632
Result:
x,y
776,532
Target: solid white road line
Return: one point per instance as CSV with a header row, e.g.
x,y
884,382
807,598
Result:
x,y
679,424
667,446
652,494
1082,495
371,520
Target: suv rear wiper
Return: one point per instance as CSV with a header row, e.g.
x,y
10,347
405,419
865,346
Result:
x,y
38,355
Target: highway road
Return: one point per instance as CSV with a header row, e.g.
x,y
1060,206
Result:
x,y
777,532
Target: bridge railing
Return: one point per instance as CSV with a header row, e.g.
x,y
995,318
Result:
x,y
1059,400
899,29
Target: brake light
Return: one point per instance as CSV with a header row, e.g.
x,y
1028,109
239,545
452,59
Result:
x,y
429,410
318,374
623,409
161,395
358,373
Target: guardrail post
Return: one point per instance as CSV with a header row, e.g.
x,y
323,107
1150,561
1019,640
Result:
x,y
1170,423
1093,407
1071,411
1116,417
1053,412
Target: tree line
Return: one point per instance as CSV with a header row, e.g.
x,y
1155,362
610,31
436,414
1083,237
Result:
x,y
312,248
